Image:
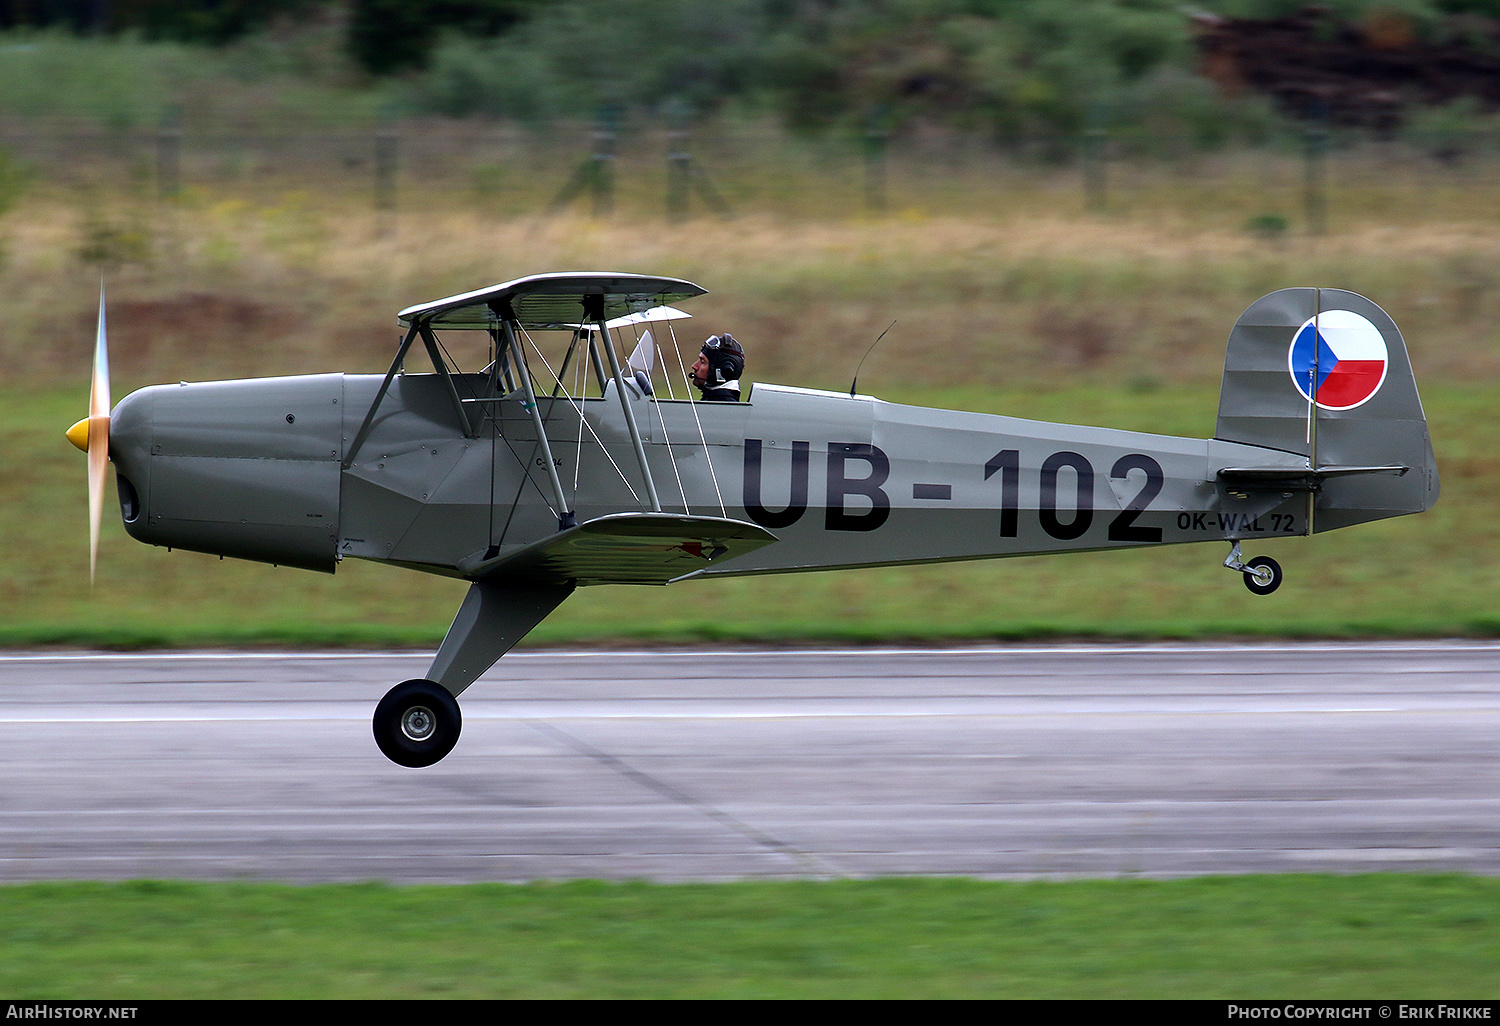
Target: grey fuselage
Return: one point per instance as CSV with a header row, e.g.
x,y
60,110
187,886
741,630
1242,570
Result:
x,y
255,469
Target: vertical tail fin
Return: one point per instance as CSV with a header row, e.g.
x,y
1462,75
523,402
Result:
x,y
1324,373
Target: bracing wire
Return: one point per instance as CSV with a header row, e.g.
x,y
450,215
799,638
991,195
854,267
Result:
x,y
453,368
702,438
578,408
667,438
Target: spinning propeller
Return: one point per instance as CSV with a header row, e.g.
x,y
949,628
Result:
x,y
92,436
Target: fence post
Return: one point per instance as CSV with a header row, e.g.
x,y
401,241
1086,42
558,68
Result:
x,y
877,137
684,175
606,135
1095,158
596,172
387,164
1315,178
169,155
679,161
1095,186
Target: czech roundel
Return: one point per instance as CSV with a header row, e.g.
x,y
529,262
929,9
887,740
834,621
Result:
x,y
1338,360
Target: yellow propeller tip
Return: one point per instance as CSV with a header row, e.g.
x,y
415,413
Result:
x,y
78,434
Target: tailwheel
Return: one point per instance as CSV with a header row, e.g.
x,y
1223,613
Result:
x,y
417,723
1262,575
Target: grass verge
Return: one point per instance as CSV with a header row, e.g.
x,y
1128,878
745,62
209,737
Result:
x,y
1303,936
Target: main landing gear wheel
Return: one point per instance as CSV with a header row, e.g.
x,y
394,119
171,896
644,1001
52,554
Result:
x,y
417,723
1262,575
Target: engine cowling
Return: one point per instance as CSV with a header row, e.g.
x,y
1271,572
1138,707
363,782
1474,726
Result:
x,y
246,468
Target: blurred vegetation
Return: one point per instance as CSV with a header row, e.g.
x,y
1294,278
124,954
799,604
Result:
x,y
1008,69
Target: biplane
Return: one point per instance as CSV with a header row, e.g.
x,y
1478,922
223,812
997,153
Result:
x,y
535,476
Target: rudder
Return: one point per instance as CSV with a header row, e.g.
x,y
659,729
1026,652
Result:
x,y
1324,373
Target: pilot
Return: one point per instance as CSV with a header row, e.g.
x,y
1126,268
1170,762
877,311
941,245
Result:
x,y
718,368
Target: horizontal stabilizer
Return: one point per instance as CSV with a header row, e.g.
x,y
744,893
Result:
x,y
629,548
1294,479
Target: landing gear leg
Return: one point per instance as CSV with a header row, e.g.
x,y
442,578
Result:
x,y
1262,574
417,722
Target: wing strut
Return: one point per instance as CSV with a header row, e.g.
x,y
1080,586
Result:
x,y
593,310
565,517
418,327
385,386
440,365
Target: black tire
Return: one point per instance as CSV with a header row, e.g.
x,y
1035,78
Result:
x,y
417,723
1269,572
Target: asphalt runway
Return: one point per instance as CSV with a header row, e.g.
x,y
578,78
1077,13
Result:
x,y
1025,761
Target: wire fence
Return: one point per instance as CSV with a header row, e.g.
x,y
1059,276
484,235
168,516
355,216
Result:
x,y
1296,181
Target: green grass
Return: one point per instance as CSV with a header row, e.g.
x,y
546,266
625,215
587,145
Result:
x,y
1429,575
1391,936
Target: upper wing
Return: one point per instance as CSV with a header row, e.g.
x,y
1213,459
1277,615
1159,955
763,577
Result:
x,y
545,301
